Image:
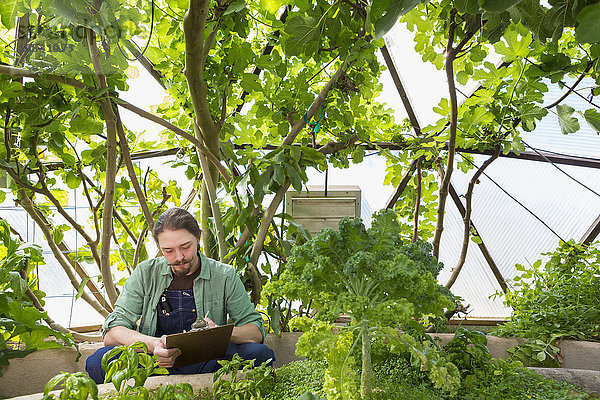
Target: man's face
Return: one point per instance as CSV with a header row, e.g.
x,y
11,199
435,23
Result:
x,y
180,248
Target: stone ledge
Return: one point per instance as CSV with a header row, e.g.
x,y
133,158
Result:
x,y
588,380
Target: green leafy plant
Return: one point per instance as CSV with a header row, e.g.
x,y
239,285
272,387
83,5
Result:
x,y
542,351
21,330
297,378
426,356
396,377
468,351
177,391
557,301
76,386
234,388
133,362
374,275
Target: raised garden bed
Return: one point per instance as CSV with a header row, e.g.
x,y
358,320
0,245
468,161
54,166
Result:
x,y
27,377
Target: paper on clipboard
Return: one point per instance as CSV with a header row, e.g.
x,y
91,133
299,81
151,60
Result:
x,y
200,346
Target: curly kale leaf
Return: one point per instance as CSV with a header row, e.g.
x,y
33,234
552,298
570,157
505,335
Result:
x,y
370,274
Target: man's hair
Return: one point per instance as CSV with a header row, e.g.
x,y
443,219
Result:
x,y
174,219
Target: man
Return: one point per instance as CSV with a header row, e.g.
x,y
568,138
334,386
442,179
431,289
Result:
x,y
165,295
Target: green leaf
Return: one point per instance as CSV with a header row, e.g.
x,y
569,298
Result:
x,y
272,5
303,36
516,45
86,126
294,177
53,382
476,239
568,123
468,6
541,356
2,196
396,9
275,317
462,77
310,396
588,28
57,233
250,83
278,174
72,180
8,13
17,284
240,56
498,5
530,113
234,7
475,117
70,10
81,288
591,116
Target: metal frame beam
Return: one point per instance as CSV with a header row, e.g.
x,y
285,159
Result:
x,y
412,116
592,232
482,247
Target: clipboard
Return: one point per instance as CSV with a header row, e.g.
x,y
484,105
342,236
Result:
x,y
200,346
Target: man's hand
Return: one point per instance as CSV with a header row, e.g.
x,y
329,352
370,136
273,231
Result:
x,y
211,323
166,357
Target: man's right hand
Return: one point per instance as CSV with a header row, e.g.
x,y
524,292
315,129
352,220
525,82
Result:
x,y
166,357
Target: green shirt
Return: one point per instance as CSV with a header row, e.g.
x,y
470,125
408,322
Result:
x,y
218,290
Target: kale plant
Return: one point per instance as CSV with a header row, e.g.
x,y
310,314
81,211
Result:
x,y
374,275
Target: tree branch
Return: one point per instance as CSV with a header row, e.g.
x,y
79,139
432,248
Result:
x,y
450,54
402,185
25,73
21,72
111,170
28,205
260,239
417,203
126,156
194,24
333,147
146,63
467,218
572,88
211,187
57,327
89,199
316,104
48,194
201,147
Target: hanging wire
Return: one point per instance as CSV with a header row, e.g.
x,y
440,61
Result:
x,y
515,200
567,155
560,169
147,42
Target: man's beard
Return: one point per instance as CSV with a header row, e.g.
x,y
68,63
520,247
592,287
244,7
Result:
x,y
182,268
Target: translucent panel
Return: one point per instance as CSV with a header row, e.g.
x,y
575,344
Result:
x,y
511,233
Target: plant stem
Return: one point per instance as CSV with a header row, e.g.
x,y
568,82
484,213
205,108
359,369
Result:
x,y
366,378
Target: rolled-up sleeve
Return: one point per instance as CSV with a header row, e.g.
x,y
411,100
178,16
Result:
x,y
240,308
129,306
